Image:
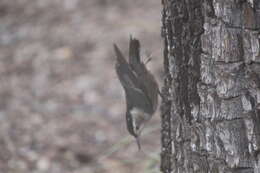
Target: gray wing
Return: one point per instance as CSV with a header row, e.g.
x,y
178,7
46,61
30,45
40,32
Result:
x,y
148,83
123,70
135,97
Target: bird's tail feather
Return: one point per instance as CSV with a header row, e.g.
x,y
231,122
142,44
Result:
x,y
134,52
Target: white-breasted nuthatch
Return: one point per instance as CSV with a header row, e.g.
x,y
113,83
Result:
x,y
140,86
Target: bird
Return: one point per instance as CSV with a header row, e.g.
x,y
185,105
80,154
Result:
x,y
140,87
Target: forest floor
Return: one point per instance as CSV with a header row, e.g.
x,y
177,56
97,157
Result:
x,y
62,109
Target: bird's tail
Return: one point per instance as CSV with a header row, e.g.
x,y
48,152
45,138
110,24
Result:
x,y
134,52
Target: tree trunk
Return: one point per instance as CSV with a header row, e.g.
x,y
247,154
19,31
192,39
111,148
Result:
x,y
211,104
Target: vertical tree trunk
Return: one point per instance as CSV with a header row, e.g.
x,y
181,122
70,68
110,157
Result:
x,y
211,105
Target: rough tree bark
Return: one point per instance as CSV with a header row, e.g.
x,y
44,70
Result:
x,y
211,105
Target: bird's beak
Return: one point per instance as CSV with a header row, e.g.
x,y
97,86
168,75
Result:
x,y
138,143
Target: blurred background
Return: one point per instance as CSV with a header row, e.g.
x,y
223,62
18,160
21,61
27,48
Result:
x,y
62,108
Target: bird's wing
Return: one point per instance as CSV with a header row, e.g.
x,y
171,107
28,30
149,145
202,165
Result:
x,y
147,81
130,82
124,71
138,99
